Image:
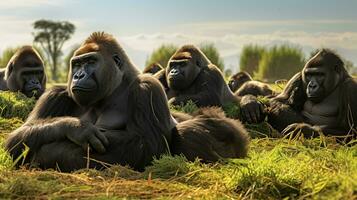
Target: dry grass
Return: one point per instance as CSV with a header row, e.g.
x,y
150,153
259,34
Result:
x,y
274,169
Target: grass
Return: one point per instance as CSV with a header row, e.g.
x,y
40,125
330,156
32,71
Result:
x,y
276,168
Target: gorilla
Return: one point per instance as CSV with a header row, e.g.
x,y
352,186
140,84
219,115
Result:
x,y
243,84
238,79
153,68
111,114
24,73
319,99
190,76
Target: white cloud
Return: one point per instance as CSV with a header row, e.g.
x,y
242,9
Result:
x,y
229,37
230,45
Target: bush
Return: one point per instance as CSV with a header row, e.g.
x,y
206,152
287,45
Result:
x,y
280,62
250,58
6,56
161,55
213,55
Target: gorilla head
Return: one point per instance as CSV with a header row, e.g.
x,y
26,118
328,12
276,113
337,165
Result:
x,y
322,74
184,66
237,80
25,72
153,68
97,68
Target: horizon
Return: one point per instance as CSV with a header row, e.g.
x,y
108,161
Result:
x,y
141,26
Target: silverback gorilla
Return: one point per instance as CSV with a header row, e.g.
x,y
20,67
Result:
x,y
190,76
109,113
320,99
243,84
24,73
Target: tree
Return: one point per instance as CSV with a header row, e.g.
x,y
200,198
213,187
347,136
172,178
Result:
x,y
51,36
161,55
280,62
212,54
250,58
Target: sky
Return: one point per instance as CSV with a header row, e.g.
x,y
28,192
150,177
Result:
x,y
143,25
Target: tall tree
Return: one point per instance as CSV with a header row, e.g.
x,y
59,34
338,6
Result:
x,y
51,35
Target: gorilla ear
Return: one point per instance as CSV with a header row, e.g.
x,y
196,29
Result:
x,y
117,60
10,67
198,63
337,68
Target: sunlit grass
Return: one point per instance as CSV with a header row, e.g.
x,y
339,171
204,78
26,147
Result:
x,y
275,168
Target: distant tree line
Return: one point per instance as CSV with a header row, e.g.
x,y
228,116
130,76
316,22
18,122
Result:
x,y
277,62
263,63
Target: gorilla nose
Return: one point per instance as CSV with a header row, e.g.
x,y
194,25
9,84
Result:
x,y
312,86
78,76
174,72
35,82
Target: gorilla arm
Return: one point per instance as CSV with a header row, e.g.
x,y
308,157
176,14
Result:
x,y
284,109
51,121
147,134
209,85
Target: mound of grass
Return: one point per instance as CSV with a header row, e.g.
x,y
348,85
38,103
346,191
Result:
x,y
14,104
274,169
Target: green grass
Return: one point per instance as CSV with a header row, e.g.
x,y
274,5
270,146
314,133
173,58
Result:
x,y
276,168
15,105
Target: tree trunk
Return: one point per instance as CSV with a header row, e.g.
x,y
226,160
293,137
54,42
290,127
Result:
x,y
54,68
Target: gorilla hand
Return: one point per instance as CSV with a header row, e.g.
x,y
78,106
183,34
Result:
x,y
302,128
252,110
89,135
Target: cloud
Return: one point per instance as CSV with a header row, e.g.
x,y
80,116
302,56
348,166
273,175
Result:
x,y
230,45
229,37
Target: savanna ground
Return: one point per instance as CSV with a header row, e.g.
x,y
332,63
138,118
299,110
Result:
x,y
279,168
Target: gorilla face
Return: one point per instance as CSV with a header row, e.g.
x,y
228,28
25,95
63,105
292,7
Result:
x,y
25,73
319,82
181,73
32,79
84,84
93,77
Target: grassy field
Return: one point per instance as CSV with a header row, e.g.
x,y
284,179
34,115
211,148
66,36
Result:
x,y
275,169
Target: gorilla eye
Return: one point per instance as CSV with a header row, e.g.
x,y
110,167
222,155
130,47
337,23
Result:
x,y
117,60
91,61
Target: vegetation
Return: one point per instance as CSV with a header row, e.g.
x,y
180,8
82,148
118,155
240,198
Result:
x,y
162,54
212,54
280,62
276,168
6,56
250,58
